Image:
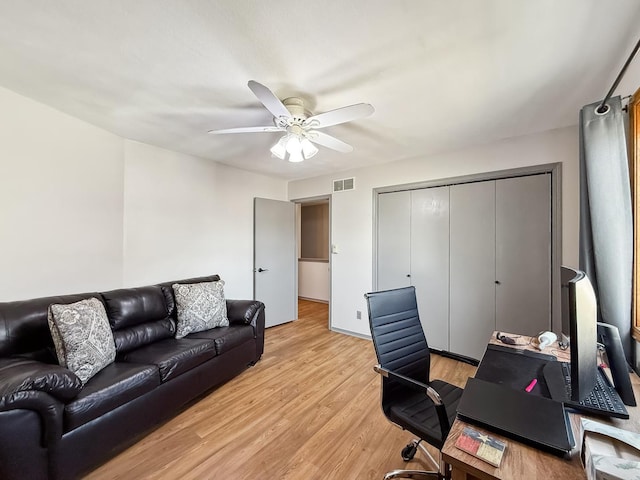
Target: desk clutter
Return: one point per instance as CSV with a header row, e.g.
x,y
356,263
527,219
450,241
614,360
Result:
x,y
504,401
516,393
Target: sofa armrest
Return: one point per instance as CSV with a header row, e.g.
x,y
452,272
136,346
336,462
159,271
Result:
x,y
243,311
249,312
48,408
40,387
21,375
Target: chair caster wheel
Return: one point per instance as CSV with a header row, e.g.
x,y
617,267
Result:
x,y
409,452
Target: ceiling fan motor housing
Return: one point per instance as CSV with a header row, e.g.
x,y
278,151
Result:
x,y
295,106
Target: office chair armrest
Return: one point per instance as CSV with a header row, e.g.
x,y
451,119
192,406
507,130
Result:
x,y
410,382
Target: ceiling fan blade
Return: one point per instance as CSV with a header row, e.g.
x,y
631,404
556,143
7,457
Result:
x,y
340,115
328,141
269,100
248,130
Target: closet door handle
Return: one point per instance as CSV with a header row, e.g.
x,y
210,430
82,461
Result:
x,y
497,282
408,275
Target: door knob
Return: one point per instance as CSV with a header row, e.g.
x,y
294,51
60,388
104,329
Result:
x,y
497,282
263,270
408,275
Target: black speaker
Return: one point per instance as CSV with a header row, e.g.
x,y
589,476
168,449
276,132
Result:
x,y
609,336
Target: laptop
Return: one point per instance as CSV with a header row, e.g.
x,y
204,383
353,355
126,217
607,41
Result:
x,y
535,420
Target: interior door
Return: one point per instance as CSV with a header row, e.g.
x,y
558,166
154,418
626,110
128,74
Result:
x,y
275,259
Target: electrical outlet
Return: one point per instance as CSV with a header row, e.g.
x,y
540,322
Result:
x,y
358,314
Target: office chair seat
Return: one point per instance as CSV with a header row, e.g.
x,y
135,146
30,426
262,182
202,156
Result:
x,y
414,411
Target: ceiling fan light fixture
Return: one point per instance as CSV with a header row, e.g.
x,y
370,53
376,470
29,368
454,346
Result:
x,y
280,149
308,148
294,145
295,148
296,156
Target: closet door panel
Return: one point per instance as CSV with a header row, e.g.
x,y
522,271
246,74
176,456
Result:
x,y
430,262
523,254
472,282
394,237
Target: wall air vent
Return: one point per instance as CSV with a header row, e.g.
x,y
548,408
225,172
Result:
x,y
344,184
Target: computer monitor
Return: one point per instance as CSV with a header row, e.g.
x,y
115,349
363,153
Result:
x,y
579,323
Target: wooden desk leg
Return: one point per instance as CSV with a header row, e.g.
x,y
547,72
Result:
x,y
457,474
460,475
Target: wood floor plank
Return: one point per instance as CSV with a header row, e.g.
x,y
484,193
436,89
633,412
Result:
x,y
309,409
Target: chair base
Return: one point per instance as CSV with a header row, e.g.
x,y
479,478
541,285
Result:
x,y
417,473
411,474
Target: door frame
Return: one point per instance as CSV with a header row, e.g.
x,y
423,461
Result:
x,y
301,201
554,169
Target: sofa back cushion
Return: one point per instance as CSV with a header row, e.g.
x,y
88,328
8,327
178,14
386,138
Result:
x,y
23,325
138,316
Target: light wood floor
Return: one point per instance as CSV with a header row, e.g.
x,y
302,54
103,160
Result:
x,y
310,409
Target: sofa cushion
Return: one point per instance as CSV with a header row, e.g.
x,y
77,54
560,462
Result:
x,y
132,306
112,387
201,306
226,338
137,336
20,374
173,356
167,289
82,337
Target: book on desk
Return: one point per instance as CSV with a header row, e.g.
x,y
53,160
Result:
x,y
485,447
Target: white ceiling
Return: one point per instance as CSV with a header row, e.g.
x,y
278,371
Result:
x,y
442,75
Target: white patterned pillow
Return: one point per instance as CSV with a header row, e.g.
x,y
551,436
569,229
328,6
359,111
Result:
x,y
201,306
82,337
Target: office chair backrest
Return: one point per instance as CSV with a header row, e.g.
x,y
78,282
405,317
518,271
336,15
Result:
x,y
397,332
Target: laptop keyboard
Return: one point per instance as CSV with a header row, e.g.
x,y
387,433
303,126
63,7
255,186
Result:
x,y
603,399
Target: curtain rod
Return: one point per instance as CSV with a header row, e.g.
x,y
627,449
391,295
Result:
x,y
602,108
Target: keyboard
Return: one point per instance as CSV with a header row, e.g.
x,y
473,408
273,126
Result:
x,y
603,399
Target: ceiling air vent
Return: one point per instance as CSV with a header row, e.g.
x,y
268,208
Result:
x,y
344,184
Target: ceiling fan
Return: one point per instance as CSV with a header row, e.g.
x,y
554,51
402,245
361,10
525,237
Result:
x,y
302,129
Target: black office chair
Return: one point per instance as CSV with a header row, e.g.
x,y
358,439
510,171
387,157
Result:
x,y
409,399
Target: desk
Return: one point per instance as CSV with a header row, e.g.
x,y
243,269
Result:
x,y
521,461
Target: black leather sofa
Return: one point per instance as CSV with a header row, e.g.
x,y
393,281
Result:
x,y
52,427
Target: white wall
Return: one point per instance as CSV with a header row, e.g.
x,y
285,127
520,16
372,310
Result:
x,y
186,216
60,202
313,280
352,211
84,210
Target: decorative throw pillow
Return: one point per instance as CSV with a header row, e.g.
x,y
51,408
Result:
x,y
201,306
82,337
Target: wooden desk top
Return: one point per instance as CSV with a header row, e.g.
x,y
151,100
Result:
x,y
521,461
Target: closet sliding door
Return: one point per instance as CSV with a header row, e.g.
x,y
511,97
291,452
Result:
x,y
472,315
430,262
393,260
523,254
